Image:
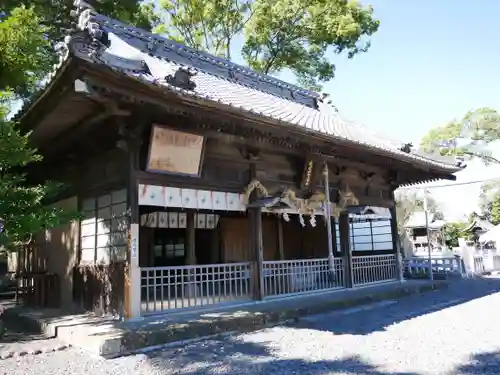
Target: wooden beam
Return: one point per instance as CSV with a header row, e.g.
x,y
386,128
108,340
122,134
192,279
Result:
x,y
148,178
77,131
149,94
50,98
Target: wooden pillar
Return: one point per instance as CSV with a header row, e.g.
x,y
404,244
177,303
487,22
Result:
x,y
257,249
215,256
281,250
191,289
328,214
132,272
256,244
345,248
396,243
190,238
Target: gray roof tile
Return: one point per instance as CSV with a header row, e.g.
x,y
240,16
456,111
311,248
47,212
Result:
x,y
224,82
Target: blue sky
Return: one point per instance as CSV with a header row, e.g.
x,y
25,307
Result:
x,y
430,62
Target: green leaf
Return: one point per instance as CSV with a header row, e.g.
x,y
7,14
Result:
x,y
283,34
23,208
468,137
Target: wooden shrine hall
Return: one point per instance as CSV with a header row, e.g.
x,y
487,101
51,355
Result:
x,y
202,182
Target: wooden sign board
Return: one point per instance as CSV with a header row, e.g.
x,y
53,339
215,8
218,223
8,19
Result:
x,y
175,152
308,175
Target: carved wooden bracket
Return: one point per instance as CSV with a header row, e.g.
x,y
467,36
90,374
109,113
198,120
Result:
x,y
249,152
131,133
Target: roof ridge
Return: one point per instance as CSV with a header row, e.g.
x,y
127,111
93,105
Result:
x,y
321,118
84,12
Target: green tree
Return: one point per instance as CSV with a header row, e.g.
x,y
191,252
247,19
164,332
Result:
x,y
284,34
469,137
22,206
23,63
30,29
23,58
489,192
55,15
452,232
495,209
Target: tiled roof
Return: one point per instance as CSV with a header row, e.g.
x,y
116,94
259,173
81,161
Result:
x,y
151,58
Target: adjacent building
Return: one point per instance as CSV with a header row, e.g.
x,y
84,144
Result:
x,y
421,236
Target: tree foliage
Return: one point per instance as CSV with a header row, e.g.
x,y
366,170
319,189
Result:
x,y
495,209
24,61
56,18
29,30
283,34
209,25
469,137
22,207
454,231
23,57
490,192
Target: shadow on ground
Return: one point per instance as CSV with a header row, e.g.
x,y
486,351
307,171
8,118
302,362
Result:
x,y
231,355
481,364
250,358
459,292
15,332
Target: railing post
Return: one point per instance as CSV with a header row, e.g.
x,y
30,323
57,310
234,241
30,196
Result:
x,y
133,289
345,248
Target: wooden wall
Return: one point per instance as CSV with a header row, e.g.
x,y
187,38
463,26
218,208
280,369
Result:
x,y
235,239
227,166
304,242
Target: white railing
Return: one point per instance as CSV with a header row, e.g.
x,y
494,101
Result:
x,y
170,288
373,269
477,264
419,266
164,288
479,267
496,262
300,276
487,262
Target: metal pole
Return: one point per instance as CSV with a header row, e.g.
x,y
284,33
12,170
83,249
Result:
x,y
431,276
328,213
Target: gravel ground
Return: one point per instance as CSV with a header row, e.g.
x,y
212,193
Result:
x,y
445,332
